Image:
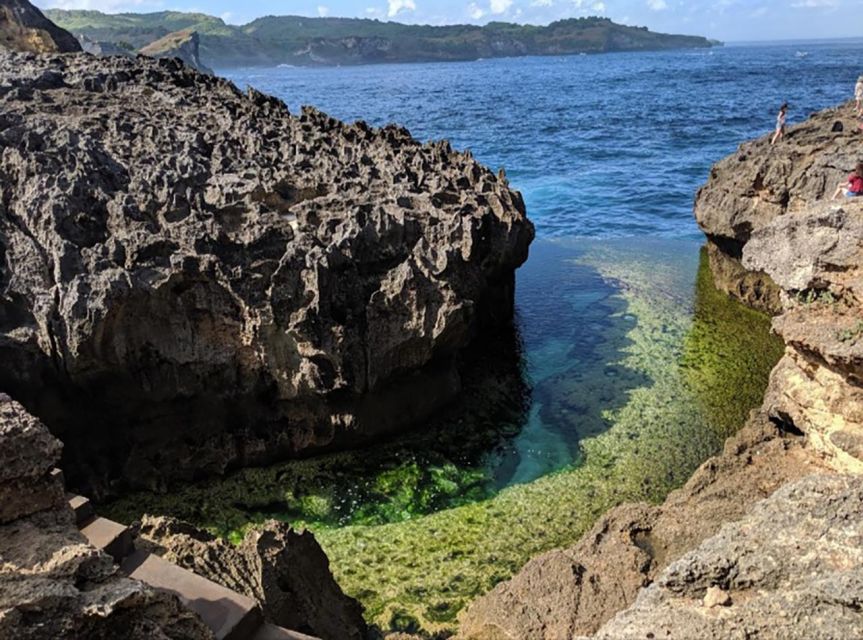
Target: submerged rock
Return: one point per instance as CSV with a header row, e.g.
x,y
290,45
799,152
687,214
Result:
x,y
284,570
194,279
24,28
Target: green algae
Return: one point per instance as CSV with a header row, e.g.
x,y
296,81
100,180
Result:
x,y
640,390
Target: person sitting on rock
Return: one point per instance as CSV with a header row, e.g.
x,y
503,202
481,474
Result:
x,y
853,186
780,124
858,95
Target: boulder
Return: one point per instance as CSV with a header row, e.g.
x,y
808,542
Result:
x,y
193,279
284,570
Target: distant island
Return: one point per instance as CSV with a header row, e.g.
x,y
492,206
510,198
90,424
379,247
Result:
x,y
301,41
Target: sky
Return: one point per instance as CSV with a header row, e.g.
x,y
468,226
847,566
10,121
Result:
x,y
728,20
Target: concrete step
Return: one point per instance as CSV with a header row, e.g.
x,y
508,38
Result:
x,y
272,632
83,509
230,615
111,537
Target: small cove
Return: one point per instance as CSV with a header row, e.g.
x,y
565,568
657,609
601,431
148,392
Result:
x,y
625,368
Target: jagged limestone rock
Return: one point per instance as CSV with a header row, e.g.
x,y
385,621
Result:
x,y
194,279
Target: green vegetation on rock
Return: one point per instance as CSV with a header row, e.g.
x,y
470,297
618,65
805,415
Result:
x,y
298,40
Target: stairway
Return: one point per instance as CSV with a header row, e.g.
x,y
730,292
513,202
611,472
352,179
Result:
x,y
230,615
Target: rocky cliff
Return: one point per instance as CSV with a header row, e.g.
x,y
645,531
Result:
x,y
180,44
53,583
714,561
24,28
192,278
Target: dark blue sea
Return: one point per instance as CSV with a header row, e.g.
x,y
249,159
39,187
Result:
x,y
603,145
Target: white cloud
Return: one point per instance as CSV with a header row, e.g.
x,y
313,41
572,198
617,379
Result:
x,y
816,4
323,11
541,3
475,11
499,6
398,6
657,5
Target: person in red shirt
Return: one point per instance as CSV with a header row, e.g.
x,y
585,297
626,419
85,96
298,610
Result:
x,y
853,186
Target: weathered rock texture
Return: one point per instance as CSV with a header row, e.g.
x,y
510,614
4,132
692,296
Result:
x,y
191,278
760,182
574,591
24,28
792,569
53,584
285,571
183,44
817,258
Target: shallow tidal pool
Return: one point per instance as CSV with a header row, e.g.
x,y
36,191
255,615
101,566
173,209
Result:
x,y
626,369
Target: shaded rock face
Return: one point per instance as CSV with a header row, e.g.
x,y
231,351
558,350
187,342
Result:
x,y
194,279
760,182
791,569
53,584
574,591
284,570
24,28
180,44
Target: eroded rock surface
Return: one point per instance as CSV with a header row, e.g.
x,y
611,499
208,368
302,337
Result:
x,y
792,569
24,28
575,591
53,584
284,570
816,256
191,278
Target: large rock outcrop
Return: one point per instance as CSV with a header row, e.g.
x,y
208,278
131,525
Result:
x,y
191,278
760,183
24,28
184,45
284,570
53,584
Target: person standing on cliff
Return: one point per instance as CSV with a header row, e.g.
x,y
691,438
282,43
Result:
x,y
780,124
858,95
853,186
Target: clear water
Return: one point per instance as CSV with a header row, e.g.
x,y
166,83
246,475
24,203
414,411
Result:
x,y
633,369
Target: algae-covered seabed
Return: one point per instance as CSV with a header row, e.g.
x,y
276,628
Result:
x,y
638,370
